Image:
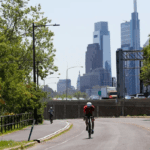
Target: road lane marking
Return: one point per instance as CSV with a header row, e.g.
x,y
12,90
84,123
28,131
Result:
x,y
55,132
64,141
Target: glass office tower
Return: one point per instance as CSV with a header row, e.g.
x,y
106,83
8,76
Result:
x,y
101,35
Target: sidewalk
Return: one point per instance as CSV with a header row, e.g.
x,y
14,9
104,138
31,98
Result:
x,y
39,131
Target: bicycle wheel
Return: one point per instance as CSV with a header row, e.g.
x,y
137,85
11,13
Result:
x,y
50,119
89,129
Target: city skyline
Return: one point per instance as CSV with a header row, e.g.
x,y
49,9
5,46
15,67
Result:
x,y
76,27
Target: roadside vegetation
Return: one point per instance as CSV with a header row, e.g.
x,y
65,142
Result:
x,y
77,94
10,143
18,92
137,115
13,130
145,69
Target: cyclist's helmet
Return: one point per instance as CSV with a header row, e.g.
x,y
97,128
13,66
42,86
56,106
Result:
x,y
50,107
89,104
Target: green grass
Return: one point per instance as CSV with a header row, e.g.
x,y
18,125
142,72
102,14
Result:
x,y
138,115
13,130
10,143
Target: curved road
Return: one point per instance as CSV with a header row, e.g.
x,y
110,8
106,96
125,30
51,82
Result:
x,y
110,134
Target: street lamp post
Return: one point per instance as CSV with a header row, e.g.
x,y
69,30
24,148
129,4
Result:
x,y
67,77
34,77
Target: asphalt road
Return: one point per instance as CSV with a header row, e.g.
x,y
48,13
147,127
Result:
x,y
110,134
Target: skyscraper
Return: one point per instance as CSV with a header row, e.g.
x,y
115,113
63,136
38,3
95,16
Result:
x,y
93,57
130,40
101,35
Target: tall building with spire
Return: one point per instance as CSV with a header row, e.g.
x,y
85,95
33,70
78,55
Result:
x,y
130,40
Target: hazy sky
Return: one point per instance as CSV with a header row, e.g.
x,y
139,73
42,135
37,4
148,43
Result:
x,y
76,19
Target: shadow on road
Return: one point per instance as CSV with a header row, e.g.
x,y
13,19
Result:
x,y
88,138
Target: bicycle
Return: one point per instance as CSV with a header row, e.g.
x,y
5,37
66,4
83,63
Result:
x,y
90,125
51,119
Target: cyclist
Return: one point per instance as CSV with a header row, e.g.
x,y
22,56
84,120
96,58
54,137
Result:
x,y
51,112
88,111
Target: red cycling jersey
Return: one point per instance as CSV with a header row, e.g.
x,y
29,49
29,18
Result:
x,y
88,110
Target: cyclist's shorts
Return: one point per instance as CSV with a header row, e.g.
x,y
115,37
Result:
x,y
88,115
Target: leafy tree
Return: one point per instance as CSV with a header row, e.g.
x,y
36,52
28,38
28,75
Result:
x,y
57,96
18,96
63,96
145,70
79,94
84,95
16,21
16,55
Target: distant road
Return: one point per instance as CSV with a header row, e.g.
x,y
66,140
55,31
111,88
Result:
x,y
110,134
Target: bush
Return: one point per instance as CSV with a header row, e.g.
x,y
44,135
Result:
x,y
40,118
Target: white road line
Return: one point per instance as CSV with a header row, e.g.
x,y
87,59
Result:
x,y
64,141
55,132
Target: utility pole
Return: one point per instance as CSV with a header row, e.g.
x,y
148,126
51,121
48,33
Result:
x,y
37,73
66,82
34,76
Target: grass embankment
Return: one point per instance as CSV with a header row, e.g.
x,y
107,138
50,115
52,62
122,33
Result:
x,y
10,144
138,115
13,130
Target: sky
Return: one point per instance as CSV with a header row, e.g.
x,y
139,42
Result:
x,y
76,19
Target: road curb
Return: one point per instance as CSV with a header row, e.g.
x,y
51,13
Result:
x,y
42,139
54,134
134,117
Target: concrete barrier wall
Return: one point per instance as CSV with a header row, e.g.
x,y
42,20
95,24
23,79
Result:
x,y
74,109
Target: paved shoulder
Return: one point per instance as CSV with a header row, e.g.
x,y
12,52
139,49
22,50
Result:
x,y
39,131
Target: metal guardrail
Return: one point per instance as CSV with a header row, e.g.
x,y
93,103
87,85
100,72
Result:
x,y
11,122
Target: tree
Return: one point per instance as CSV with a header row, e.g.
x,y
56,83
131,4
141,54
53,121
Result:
x,y
16,21
19,97
84,95
79,94
145,70
16,55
